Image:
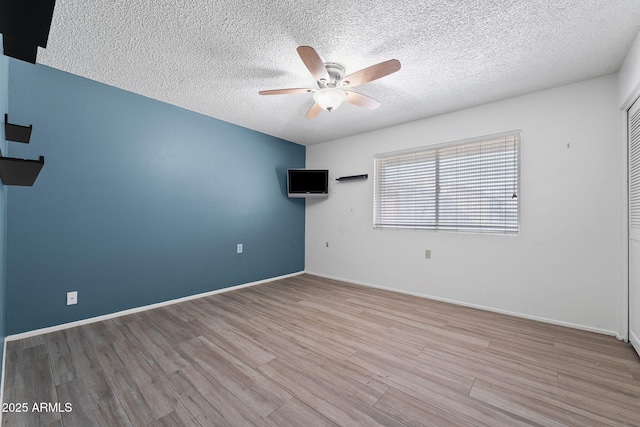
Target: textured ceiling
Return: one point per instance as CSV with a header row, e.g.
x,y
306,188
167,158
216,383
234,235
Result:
x,y
213,56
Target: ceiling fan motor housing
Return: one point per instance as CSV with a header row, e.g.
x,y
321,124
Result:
x,y
336,73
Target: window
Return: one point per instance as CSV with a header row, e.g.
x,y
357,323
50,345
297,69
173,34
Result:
x,y
468,186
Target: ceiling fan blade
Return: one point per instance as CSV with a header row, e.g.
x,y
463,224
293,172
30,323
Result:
x,y
361,100
314,111
372,73
313,63
284,91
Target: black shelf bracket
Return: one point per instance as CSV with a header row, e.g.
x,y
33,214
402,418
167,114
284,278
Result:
x,y
16,133
352,177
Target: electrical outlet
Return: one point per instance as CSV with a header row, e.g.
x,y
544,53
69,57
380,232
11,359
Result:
x,y
72,297
239,248
427,253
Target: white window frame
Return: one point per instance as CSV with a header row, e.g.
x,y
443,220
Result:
x,y
470,186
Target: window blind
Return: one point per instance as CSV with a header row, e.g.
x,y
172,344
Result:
x,y
468,186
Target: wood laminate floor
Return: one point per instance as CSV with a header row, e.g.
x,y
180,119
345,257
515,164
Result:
x,y
307,351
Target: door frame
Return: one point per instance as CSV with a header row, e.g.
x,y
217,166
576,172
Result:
x,y
629,334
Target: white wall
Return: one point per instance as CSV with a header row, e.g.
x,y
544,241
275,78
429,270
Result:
x,y
629,82
564,267
629,90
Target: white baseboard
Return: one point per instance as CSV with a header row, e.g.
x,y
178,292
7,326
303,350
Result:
x,y
138,309
478,306
635,342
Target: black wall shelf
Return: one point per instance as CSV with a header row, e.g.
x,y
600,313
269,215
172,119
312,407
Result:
x,y
16,133
14,171
19,171
352,177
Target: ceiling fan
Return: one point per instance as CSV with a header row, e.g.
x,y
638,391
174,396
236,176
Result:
x,y
332,82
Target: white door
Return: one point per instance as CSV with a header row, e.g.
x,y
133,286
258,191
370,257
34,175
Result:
x,y
634,224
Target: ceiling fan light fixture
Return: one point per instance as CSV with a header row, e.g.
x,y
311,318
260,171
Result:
x,y
329,98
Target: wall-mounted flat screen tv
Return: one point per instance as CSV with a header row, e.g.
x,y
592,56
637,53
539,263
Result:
x,y
307,182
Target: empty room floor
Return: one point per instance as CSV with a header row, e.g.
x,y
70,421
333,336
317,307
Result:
x,y
311,351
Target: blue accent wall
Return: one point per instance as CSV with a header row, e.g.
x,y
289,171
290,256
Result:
x,y
138,202
4,108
